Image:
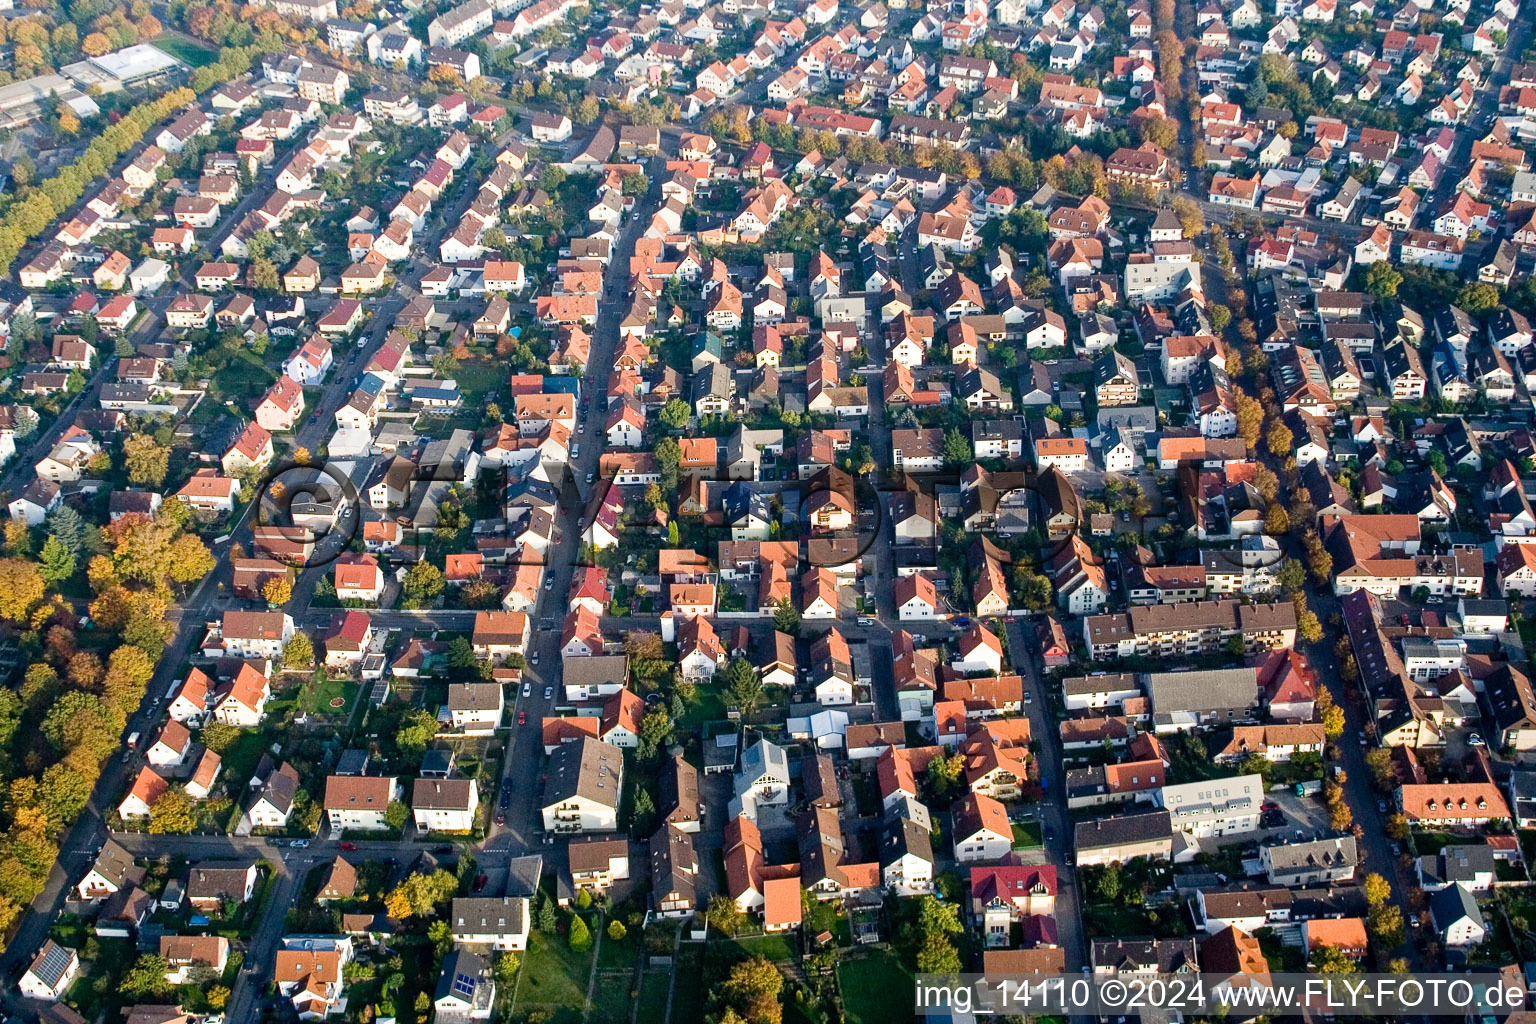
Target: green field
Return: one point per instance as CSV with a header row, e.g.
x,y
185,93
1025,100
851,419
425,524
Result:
x,y
877,988
617,956
186,50
1026,835
317,698
610,998
245,376
553,979
774,947
653,998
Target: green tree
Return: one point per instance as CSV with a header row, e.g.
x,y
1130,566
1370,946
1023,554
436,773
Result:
x,y
743,687
753,988
1292,576
786,617
416,729
938,918
944,775
461,654
675,413
396,815
146,978
56,564
220,736
724,915
616,930
956,450
146,461
65,524
1377,889
545,916
580,936
63,793
172,814
423,583
645,808
264,275
1382,280
1478,298
655,729
1221,316
1331,959
938,955
300,652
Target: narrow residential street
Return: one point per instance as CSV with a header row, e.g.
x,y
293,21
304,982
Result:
x,y
1055,819
525,750
1375,844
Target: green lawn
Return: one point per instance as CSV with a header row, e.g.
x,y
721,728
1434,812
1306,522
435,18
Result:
x,y
1427,843
618,955
653,998
186,50
1026,835
877,988
688,967
774,947
706,706
244,376
240,758
554,979
1100,920
317,699
610,998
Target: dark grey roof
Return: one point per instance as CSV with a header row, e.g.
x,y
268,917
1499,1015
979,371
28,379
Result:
x,y
1144,827
1138,954
587,767
496,915
1451,904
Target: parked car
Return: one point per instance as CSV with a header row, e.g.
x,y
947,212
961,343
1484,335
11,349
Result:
x,y
522,718
527,689
549,691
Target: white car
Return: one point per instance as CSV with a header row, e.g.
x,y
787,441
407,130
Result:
x,y
527,689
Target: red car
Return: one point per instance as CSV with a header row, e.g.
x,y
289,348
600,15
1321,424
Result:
x,y
349,846
522,718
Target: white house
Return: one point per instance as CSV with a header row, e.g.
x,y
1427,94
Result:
x,y
980,829
582,787
474,708
359,803
1218,807
445,805
761,780
499,922
52,971
255,635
